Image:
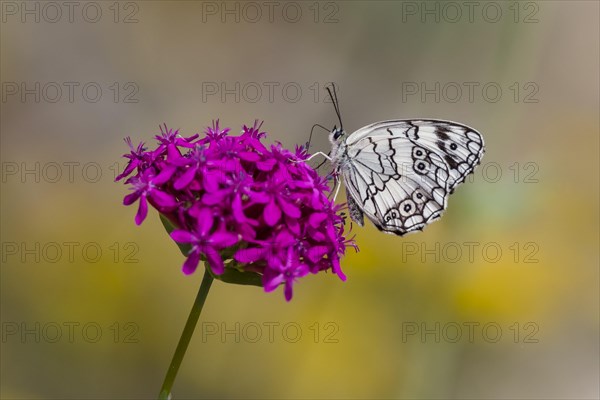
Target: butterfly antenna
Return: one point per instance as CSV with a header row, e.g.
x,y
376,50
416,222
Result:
x,y
335,102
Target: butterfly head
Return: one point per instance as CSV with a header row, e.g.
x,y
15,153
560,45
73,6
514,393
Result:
x,y
336,134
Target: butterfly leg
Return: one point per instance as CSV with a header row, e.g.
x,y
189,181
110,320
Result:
x,y
311,133
317,154
313,156
337,187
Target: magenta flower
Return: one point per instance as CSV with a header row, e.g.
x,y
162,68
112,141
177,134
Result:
x,y
135,156
285,272
144,188
249,211
204,243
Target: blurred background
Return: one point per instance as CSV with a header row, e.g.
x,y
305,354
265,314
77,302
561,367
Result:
x,y
498,299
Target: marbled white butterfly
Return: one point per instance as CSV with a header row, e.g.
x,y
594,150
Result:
x,y
399,173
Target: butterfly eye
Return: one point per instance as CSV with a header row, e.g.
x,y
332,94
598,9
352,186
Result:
x,y
338,133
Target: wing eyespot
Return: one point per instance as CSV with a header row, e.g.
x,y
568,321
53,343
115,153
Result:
x,y
419,153
407,208
421,167
419,196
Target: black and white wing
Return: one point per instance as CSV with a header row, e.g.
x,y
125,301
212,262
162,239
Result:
x,y
460,146
399,173
398,184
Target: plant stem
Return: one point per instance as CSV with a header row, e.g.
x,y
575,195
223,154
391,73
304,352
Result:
x,y
186,335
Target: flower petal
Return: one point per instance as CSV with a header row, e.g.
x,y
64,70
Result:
x,y
181,236
272,213
287,291
142,212
337,268
284,238
249,156
230,165
191,263
318,236
293,225
132,197
259,197
317,204
173,153
164,175
224,239
271,280
128,169
185,178
316,253
210,181
266,165
315,219
236,207
288,208
246,231
162,200
214,260
212,198
204,221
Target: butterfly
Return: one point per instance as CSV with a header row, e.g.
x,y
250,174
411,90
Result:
x,y
399,173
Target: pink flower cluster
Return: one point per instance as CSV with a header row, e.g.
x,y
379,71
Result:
x,y
239,204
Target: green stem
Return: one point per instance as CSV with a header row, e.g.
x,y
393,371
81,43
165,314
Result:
x,y
186,335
